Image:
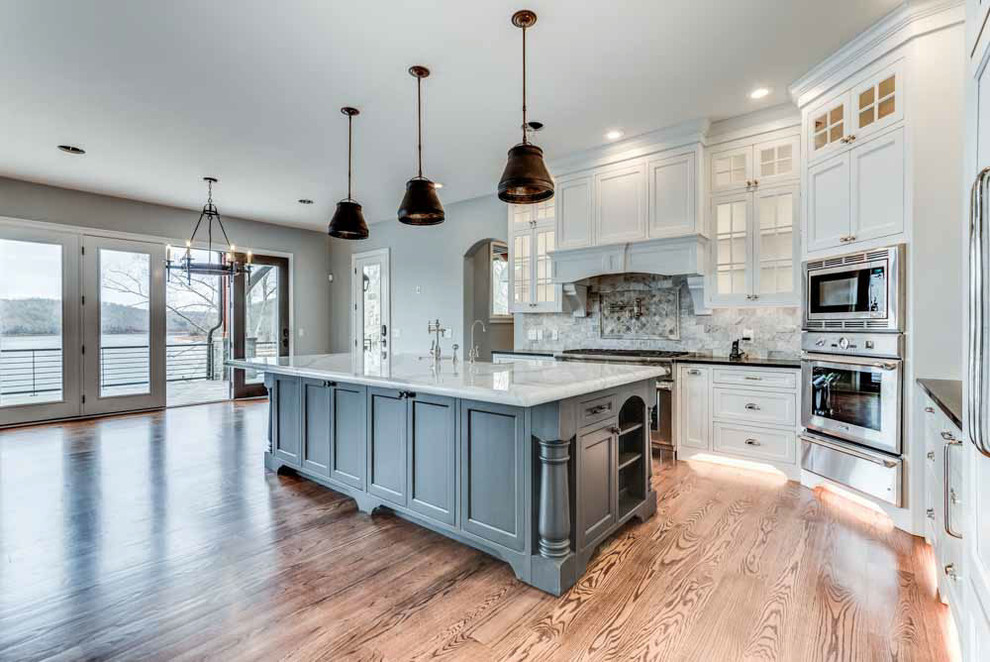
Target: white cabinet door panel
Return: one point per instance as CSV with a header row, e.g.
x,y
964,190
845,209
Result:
x,y
731,169
673,208
766,407
828,220
777,161
620,203
877,176
877,102
759,443
694,407
828,124
575,213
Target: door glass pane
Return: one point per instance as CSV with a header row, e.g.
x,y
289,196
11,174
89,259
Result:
x,y
776,243
30,322
125,323
544,268
261,322
521,268
499,256
730,247
850,396
196,336
371,279
830,127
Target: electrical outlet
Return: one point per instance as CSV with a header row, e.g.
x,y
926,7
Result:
x,y
396,333
531,334
419,289
302,333
554,334
448,333
539,334
747,335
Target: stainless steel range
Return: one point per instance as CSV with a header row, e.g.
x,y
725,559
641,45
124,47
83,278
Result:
x,y
661,417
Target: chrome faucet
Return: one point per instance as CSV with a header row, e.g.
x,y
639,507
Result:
x,y
474,353
435,328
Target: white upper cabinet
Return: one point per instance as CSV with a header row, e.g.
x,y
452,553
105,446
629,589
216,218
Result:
x,y
858,195
531,286
732,169
877,103
732,215
621,203
828,203
672,201
828,127
775,244
876,170
575,212
776,161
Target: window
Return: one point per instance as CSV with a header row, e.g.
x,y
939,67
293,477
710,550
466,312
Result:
x,y
498,257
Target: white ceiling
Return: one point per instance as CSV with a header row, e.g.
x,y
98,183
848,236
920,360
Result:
x,y
162,93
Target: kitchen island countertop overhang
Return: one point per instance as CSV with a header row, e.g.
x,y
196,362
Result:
x,y
535,463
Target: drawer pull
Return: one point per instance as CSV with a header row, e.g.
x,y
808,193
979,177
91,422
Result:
x,y
930,513
950,572
597,409
694,371
930,455
752,406
953,497
948,436
929,410
752,442
753,379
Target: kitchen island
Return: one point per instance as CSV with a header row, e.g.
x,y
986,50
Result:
x,y
535,463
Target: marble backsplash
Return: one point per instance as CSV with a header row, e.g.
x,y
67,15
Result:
x,y
639,314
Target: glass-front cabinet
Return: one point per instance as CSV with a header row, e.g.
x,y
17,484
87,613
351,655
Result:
x,y
871,105
532,237
755,247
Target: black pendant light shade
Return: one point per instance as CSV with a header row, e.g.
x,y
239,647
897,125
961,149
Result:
x,y
420,205
525,179
348,219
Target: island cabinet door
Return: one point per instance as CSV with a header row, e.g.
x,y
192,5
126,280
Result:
x,y
315,398
285,435
596,493
348,441
387,444
432,449
493,473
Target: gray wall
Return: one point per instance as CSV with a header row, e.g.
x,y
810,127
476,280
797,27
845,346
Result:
x,y
310,255
431,259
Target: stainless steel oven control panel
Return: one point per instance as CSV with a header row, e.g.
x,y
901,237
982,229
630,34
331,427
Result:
x,y
887,345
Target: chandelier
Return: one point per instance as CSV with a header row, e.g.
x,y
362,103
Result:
x,y
228,264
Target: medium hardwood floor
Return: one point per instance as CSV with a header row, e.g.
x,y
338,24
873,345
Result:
x,y
161,536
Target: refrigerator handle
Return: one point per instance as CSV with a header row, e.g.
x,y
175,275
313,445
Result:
x,y
977,310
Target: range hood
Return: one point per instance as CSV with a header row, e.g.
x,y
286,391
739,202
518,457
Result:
x,y
679,256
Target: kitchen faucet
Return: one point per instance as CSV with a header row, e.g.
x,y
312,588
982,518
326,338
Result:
x,y
474,353
436,328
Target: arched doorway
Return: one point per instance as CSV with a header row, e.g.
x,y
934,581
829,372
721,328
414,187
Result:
x,y
486,289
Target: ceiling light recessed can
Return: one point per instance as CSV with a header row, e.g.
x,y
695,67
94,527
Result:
x,y
305,201
759,93
72,149
438,184
614,134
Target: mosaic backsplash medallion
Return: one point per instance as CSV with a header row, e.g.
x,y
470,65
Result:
x,y
640,313
776,331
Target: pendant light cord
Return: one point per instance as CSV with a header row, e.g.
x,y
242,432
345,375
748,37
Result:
x,y
349,119
419,123
524,137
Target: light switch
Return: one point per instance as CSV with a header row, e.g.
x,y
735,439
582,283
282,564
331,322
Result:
x,y
554,334
539,334
396,332
302,332
419,289
448,333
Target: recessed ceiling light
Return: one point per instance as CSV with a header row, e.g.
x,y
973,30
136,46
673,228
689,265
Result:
x,y
72,149
305,201
759,93
438,184
614,134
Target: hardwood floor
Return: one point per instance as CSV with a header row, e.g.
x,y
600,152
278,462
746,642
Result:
x,y
160,536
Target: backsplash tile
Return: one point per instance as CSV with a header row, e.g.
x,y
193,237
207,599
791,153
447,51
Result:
x,y
776,330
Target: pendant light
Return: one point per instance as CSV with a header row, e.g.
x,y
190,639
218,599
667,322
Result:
x,y
525,179
420,205
348,219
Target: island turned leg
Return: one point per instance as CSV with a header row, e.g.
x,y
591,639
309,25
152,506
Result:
x,y
555,511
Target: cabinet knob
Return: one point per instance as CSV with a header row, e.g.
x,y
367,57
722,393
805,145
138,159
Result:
x,y
950,572
752,442
752,406
930,513
930,455
953,497
948,436
929,410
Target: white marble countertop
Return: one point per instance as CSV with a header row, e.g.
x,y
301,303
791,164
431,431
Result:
x,y
522,384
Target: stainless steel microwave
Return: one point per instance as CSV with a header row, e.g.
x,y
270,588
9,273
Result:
x,y
855,292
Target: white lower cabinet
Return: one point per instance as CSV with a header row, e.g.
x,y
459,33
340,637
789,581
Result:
x,y
739,411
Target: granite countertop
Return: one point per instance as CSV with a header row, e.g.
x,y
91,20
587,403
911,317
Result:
x,y
947,394
521,384
782,361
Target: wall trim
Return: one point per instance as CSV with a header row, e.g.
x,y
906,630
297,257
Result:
x,y
907,22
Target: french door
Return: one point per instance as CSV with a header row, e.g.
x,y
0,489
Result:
x,y
371,310
260,316
39,325
123,321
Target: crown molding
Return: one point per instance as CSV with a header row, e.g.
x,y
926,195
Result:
x,y
907,22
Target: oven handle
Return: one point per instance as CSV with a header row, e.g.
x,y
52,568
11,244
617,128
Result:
x,y
855,452
892,364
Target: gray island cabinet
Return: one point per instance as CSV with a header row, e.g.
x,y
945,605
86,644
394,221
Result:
x,y
535,463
